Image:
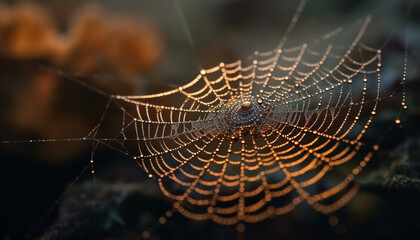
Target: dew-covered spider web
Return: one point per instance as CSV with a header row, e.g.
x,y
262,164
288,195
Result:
x,y
251,139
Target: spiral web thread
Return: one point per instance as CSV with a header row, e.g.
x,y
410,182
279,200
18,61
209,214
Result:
x,y
218,160
248,140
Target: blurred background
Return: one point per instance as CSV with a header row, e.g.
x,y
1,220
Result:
x,y
137,47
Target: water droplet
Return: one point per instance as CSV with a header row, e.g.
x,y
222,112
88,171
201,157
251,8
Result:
x,y
246,105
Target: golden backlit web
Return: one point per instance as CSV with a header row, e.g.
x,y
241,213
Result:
x,y
251,139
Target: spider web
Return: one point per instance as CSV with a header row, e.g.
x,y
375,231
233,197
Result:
x,y
252,139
